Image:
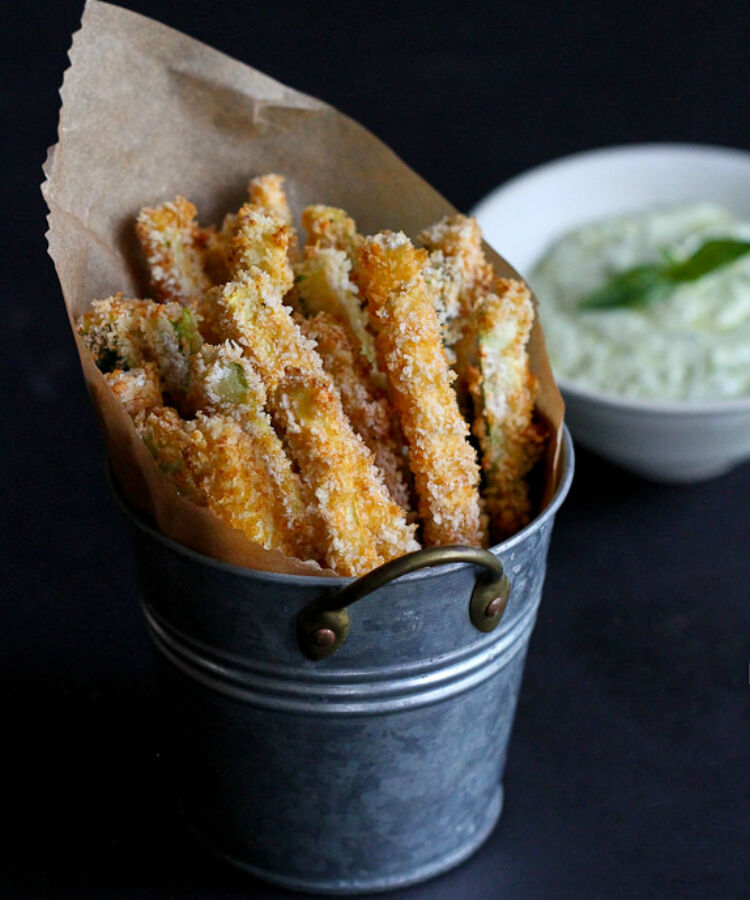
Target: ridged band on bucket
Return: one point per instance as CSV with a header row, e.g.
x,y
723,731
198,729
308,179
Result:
x,y
264,686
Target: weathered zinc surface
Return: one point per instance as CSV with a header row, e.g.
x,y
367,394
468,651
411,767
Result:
x,y
374,768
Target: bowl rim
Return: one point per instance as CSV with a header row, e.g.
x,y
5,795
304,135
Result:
x,y
719,406
611,150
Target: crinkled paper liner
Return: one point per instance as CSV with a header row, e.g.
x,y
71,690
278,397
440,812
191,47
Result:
x,y
148,113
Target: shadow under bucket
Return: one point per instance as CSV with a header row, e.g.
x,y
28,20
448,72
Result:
x,y
374,768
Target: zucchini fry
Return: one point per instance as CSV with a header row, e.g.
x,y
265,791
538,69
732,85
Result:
x,y
363,526
410,351
460,241
494,368
222,382
442,278
123,333
266,195
266,192
250,238
212,462
322,283
504,390
365,404
138,389
173,245
459,238
329,226
260,242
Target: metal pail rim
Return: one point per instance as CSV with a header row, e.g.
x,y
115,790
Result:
x,y
338,581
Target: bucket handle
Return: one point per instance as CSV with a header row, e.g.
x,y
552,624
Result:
x,y
323,625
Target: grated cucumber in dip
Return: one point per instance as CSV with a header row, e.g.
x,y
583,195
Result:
x,y
691,343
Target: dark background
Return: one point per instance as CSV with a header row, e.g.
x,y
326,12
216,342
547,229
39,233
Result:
x,y
629,767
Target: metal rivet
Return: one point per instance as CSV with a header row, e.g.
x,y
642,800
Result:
x,y
324,637
494,607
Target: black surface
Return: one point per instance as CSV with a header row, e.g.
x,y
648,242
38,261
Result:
x,y
629,768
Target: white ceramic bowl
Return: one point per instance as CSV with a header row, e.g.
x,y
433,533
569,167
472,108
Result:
x,y
665,441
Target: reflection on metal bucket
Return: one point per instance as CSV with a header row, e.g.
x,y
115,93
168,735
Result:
x,y
374,768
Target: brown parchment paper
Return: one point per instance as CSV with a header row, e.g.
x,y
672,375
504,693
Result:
x,y
148,113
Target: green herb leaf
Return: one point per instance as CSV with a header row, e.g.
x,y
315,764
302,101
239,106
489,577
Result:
x,y
633,287
712,255
642,285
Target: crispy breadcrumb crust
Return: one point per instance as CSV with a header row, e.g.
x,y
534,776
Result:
x,y
504,390
459,239
322,283
213,462
443,280
267,193
493,366
223,382
365,404
124,333
363,526
410,351
301,448
329,226
173,245
138,389
267,196
260,241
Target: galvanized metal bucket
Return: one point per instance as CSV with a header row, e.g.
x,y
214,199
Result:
x,y
335,762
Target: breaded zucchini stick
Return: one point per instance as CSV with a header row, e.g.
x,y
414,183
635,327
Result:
x,y
138,389
124,333
494,367
459,239
184,259
365,404
410,351
266,192
212,462
329,226
223,382
266,195
442,278
363,526
322,283
504,390
261,242
174,245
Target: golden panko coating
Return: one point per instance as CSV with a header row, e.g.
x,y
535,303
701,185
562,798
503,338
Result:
x,y
214,463
223,382
446,474
138,389
307,399
365,404
173,246
504,390
363,526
